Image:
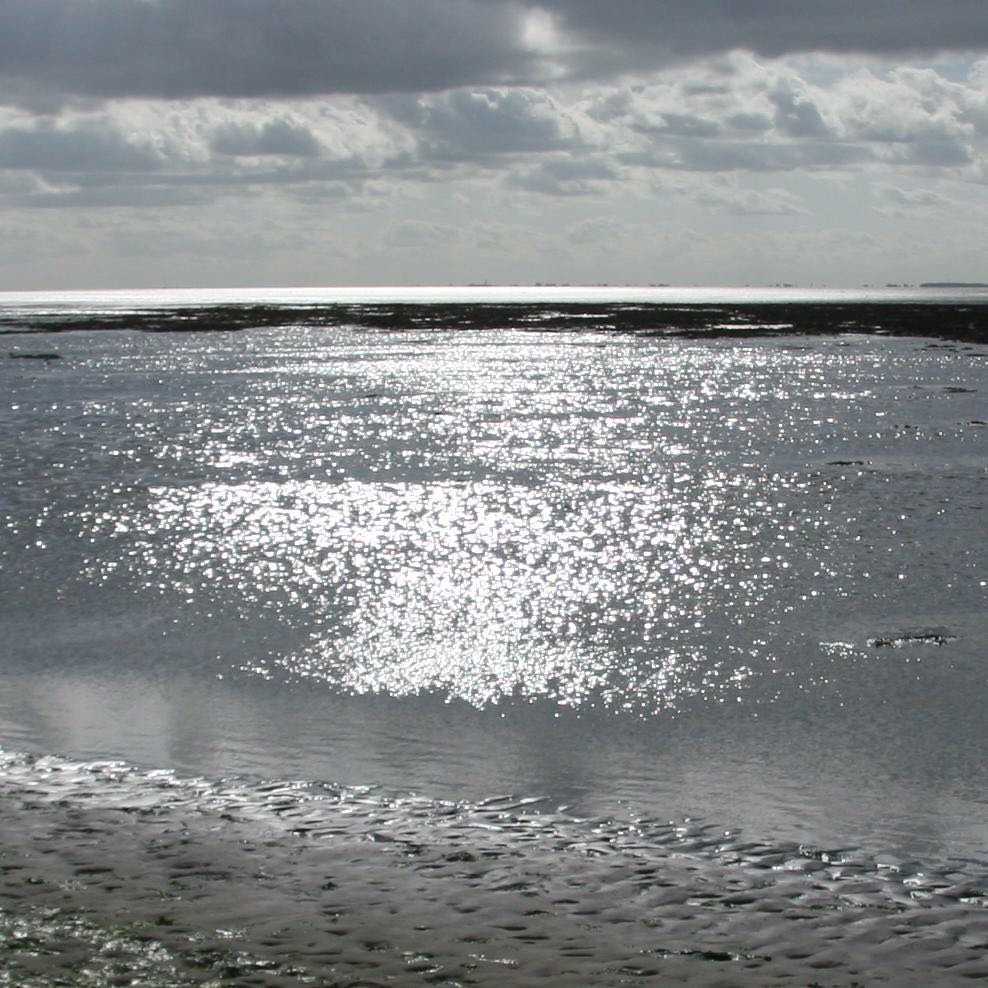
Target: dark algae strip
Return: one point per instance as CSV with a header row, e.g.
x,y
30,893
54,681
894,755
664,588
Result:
x,y
961,322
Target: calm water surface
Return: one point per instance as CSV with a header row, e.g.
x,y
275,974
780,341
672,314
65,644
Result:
x,y
743,580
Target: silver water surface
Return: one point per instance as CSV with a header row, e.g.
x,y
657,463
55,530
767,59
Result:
x,y
741,579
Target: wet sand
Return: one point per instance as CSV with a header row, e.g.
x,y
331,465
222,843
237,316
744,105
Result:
x,y
110,875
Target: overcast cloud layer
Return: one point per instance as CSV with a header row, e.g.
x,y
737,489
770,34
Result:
x,y
276,48
318,141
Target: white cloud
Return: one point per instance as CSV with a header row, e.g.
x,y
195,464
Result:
x,y
900,108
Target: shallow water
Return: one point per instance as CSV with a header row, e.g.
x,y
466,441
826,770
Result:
x,y
742,581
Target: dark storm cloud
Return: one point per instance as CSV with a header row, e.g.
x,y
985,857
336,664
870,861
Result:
x,y
778,27
52,49
238,48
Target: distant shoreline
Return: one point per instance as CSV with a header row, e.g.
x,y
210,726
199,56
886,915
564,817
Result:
x,y
954,284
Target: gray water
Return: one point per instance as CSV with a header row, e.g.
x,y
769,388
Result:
x,y
736,580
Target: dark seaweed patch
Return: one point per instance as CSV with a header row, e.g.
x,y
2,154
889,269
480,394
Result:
x,y
938,320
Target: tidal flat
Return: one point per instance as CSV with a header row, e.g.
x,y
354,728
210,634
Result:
x,y
367,652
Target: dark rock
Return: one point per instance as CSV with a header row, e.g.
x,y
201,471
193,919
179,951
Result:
x,y
924,636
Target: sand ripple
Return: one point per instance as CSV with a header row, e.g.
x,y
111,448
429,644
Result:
x,y
111,875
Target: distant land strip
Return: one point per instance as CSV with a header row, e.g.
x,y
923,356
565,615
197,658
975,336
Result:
x,y
954,284
959,321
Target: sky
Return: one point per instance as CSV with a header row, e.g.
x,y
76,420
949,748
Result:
x,y
198,143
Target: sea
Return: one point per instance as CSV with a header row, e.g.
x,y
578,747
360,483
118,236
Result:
x,y
502,636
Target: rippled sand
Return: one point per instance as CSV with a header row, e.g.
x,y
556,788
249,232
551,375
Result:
x,y
113,876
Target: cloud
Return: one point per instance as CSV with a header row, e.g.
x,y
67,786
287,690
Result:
x,y
48,149
56,50
25,248
594,232
735,200
564,176
911,198
419,235
796,114
124,196
912,204
727,116
575,138
936,154
739,114
179,49
477,123
733,112
749,122
275,137
768,156
645,31
509,240
682,125
905,106
154,153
